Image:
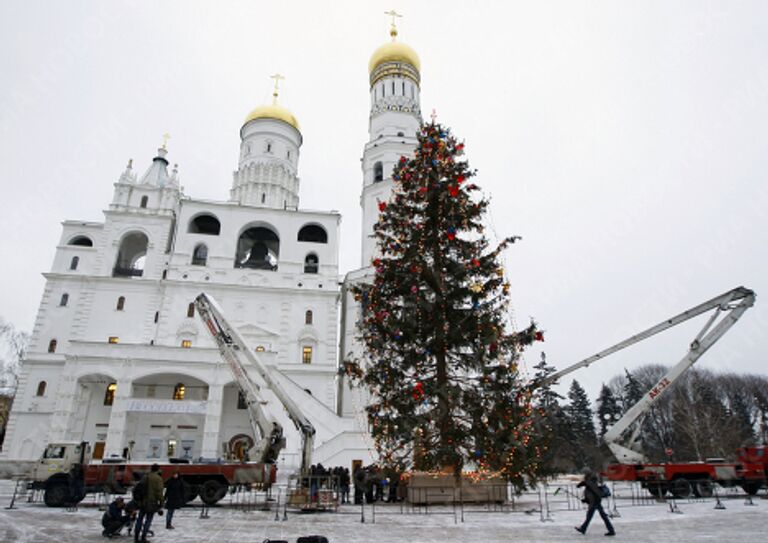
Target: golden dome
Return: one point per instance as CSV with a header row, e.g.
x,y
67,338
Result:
x,y
394,52
273,111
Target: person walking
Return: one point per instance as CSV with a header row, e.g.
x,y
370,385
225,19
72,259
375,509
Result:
x,y
593,497
150,501
174,498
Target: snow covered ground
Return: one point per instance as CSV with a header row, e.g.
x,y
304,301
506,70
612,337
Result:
x,y
649,521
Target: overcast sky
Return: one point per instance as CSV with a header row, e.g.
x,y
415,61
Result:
x,y
625,141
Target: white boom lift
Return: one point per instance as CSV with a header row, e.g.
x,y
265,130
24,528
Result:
x,y
235,351
735,302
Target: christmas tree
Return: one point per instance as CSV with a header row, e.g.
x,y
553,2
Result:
x,y
442,367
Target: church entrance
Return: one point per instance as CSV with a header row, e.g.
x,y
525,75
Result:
x,y
98,450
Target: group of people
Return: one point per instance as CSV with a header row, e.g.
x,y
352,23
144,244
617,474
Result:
x,y
150,494
337,479
373,484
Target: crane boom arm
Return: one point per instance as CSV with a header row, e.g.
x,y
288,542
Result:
x,y
735,294
735,302
234,351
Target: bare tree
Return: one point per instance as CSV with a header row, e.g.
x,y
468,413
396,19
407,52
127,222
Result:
x,y
12,345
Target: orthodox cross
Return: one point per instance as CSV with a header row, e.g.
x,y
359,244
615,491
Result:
x,y
277,78
433,116
392,13
166,137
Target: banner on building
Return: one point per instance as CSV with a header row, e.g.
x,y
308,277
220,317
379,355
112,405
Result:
x,y
185,407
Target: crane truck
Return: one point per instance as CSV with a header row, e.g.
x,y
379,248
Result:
x,y
308,491
679,478
235,352
66,468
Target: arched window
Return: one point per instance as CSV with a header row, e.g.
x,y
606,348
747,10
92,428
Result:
x,y
178,391
313,233
186,343
52,346
120,303
311,263
191,310
241,401
144,201
308,317
200,255
205,224
64,300
41,388
378,172
269,147
263,197
109,394
306,354
74,262
258,248
132,256
82,241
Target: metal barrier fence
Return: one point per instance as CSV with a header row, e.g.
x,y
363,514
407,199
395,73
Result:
x,y
545,500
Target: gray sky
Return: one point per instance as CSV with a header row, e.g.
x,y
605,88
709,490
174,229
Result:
x,y
625,141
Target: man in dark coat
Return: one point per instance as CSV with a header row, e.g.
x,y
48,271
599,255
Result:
x,y
115,518
150,503
593,498
174,498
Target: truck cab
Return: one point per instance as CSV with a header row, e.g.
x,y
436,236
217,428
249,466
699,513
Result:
x,y
60,458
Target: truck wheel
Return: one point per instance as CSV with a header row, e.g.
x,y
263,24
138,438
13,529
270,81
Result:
x,y
56,495
681,488
704,488
212,491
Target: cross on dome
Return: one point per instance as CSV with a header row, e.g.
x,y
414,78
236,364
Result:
x,y
393,30
276,91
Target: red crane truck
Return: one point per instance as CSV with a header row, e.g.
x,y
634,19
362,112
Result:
x,y
681,479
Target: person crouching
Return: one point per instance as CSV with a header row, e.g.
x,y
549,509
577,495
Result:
x,y
115,518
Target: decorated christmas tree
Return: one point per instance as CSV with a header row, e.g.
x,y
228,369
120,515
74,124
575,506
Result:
x,y
442,363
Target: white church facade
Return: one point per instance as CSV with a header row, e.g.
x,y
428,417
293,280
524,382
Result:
x,y
118,357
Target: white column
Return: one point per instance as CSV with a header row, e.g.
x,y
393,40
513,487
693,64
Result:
x,y
117,419
63,414
212,426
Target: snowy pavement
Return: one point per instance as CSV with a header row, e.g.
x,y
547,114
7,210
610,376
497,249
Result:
x,y
698,521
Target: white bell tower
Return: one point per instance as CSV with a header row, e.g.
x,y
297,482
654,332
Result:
x,y
394,122
270,140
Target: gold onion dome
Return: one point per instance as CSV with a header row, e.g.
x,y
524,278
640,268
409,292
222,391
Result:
x,y
273,111
394,51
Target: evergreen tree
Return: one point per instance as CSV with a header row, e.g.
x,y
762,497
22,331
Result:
x,y
608,409
582,426
551,425
632,392
442,367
